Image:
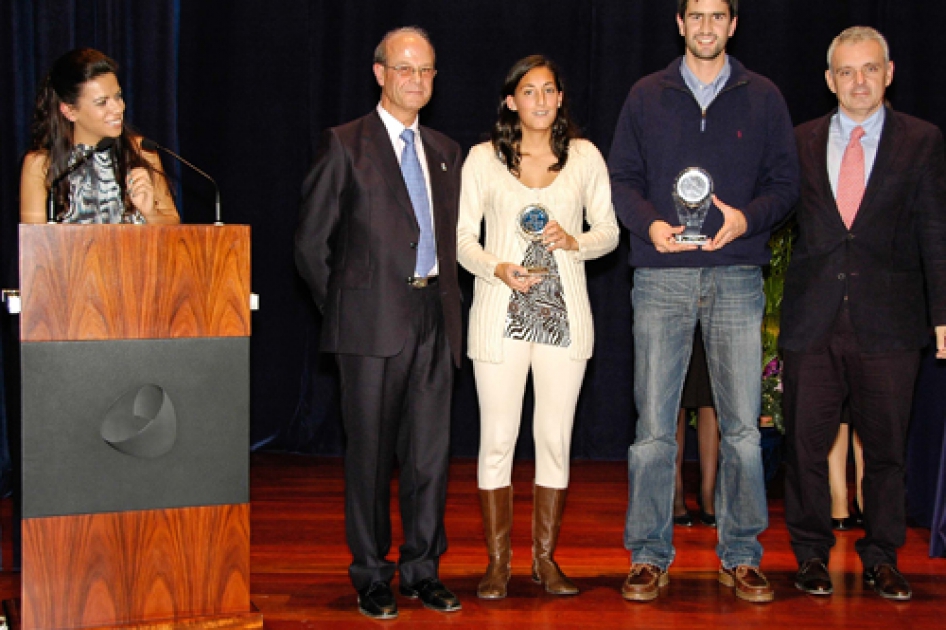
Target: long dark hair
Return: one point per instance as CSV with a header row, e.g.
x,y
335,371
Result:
x,y
52,132
507,132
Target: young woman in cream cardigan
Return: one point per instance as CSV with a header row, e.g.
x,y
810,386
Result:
x,y
521,320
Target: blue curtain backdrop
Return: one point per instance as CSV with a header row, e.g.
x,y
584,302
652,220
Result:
x,y
243,88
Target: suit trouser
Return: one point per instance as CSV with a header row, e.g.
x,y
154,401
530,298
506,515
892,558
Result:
x,y
398,407
500,387
878,388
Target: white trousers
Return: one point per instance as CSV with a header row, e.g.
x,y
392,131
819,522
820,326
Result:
x,y
556,381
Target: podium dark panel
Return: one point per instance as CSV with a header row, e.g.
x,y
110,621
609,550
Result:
x,y
76,395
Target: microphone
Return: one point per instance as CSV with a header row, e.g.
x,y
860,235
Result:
x,y
104,145
151,145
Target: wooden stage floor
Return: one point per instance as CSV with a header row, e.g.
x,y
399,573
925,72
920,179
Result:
x,y
300,560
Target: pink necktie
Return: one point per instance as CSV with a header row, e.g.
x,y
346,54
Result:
x,y
851,178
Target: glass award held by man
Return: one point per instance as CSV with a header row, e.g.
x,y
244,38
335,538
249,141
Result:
x,y
692,196
531,222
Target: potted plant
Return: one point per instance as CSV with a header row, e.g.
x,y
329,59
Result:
x,y
773,285
772,421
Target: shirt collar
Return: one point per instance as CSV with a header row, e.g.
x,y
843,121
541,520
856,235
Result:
x,y
694,83
395,126
872,126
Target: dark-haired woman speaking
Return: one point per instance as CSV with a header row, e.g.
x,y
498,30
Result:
x,y
534,184
79,105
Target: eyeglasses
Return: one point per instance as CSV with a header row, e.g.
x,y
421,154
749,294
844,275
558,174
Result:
x,y
406,71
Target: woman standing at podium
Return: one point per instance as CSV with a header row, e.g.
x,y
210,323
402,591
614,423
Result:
x,y
79,122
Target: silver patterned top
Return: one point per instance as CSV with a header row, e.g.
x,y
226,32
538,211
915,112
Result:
x,y
94,193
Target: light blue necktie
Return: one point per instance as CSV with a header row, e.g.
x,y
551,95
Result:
x,y
417,189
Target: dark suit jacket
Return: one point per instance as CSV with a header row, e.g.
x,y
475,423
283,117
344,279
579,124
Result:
x,y
357,237
897,240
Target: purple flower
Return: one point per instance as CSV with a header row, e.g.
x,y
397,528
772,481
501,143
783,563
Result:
x,y
773,368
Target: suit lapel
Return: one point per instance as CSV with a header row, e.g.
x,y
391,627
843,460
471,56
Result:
x,y
382,154
889,153
818,157
437,168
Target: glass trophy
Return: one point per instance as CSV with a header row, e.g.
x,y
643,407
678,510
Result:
x,y
692,196
531,222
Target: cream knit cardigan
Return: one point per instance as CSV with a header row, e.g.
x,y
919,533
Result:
x,y
581,190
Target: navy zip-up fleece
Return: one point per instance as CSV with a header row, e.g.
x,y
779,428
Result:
x,y
744,140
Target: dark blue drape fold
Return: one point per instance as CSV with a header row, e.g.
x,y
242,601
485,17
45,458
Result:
x,y
938,525
926,453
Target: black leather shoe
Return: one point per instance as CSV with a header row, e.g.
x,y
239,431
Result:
x,y
707,519
377,602
813,578
684,520
888,582
843,524
433,595
856,515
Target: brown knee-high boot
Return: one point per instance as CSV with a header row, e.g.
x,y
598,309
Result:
x,y
547,507
497,522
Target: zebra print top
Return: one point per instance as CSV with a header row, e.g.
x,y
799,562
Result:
x,y
539,315
94,193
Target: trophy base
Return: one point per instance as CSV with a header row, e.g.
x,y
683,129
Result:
x,y
537,271
692,239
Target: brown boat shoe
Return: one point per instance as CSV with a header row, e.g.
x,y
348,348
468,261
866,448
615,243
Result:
x,y
748,582
644,582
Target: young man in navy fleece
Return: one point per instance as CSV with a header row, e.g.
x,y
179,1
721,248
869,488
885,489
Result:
x,y
705,113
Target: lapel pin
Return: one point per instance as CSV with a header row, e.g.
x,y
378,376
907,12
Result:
x,y
443,166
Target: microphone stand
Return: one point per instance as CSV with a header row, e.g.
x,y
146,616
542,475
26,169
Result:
x,y
151,145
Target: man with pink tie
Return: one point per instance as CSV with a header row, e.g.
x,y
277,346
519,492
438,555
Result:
x,y
866,283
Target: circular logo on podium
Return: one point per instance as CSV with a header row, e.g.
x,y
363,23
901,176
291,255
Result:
x,y
141,423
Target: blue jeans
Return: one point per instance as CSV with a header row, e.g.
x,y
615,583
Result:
x,y
728,302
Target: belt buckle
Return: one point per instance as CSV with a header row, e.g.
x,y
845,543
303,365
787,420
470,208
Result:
x,y
418,282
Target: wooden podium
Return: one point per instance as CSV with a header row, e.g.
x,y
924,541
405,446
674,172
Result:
x,y
135,426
